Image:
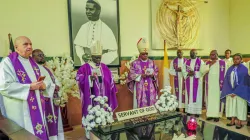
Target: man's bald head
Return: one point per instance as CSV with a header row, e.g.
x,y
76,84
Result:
x,y
23,46
38,56
214,55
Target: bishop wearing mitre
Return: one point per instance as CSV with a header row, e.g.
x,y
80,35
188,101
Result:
x,y
95,78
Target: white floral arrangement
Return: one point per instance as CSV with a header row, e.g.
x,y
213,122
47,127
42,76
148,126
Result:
x,y
167,101
63,69
99,115
123,77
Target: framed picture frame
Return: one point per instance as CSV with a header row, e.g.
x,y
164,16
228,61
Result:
x,y
94,20
115,72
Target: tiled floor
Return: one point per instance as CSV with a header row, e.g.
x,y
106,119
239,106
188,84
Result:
x,y
79,134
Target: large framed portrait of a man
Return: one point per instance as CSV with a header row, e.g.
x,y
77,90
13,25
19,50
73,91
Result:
x,y
90,21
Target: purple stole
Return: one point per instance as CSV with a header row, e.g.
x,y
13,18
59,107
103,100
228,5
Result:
x,y
144,66
176,83
35,115
195,80
222,64
52,121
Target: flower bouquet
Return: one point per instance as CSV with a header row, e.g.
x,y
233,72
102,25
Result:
x,y
167,101
99,115
123,77
63,70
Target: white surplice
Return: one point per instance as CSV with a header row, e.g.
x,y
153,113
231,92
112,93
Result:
x,y
236,106
96,31
229,61
180,78
2,108
190,106
213,98
51,92
15,94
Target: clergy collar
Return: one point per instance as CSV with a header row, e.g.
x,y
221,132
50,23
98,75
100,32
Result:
x,y
95,22
22,58
230,58
144,60
92,64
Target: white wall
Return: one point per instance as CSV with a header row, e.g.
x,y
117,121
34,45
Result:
x,y
240,26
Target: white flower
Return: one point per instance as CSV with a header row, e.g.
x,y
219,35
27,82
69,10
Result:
x,y
105,105
92,96
110,119
104,123
89,128
109,108
97,107
98,113
161,109
162,99
102,110
105,98
158,102
91,112
89,117
171,102
83,121
166,108
102,117
171,108
92,124
168,98
89,107
102,102
98,120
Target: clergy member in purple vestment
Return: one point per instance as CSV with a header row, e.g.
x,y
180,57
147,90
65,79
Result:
x,y
23,94
95,78
143,83
193,78
215,70
179,84
142,78
235,92
52,111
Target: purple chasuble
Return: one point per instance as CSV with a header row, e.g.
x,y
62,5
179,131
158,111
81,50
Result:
x,y
35,115
146,88
222,71
176,80
240,88
195,80
52,121
103,87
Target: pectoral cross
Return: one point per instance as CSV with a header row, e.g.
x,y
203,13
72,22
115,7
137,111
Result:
x,y
197,67
177,89
36,70
144,68
222,68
